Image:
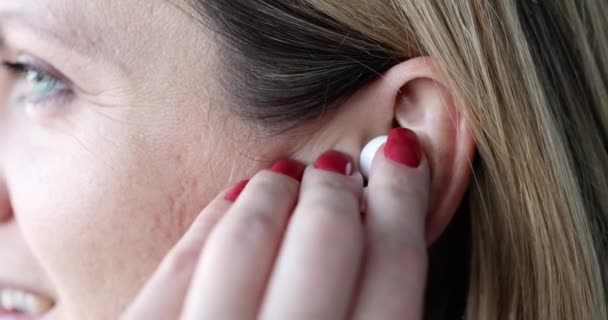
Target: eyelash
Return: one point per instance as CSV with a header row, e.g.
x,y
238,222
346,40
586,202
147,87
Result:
x,y
37,74
15,68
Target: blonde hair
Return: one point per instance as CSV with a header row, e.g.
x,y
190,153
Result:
x,y
531,80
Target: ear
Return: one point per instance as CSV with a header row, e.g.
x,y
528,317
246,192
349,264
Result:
x,y
425,105
411,95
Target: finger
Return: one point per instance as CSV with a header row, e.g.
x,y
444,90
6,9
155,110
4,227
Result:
x,y
393,281
320,257
235,266
163,296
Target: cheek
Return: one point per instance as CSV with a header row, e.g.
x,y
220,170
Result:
x,y
100,217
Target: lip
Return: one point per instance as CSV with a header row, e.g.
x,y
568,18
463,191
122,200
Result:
x,y
6,315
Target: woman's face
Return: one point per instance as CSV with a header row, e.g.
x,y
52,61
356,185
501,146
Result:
x,y
111,141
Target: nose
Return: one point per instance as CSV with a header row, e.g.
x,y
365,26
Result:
x,y
6,210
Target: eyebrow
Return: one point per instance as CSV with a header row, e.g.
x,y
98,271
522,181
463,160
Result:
x,y
84,47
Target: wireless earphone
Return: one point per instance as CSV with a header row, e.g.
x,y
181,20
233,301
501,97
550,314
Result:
x,y
367,155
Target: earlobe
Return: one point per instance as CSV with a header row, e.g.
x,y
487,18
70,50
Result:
x,y
427,107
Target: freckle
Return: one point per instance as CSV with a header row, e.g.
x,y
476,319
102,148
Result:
x,y
178,158
194,184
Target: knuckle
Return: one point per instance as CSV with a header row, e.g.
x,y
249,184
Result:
x,y
325,205
181,260
274,184
321,179
332,196
259,218
254,225
330,224
330,182
337,236
396,187
338,208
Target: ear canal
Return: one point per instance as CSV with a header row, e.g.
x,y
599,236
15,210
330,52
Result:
x,y
368,153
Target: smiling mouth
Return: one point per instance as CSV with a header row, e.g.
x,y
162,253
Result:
x,y
16,302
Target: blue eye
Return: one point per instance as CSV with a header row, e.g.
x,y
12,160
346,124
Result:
x,y
42,85
38,85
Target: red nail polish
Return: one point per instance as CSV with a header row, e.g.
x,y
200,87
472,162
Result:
x,y
403,147
335,161
234,193
289,168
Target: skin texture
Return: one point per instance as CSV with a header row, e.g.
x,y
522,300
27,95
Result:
x,y
98,185
130,159
346,268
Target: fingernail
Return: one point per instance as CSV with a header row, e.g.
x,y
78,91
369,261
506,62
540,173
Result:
x,y
234,193
403,147
335,161
289,168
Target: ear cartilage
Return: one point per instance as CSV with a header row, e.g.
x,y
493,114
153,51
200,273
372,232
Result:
x,y
368,153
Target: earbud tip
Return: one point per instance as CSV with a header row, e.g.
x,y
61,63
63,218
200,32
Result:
x,y
368,153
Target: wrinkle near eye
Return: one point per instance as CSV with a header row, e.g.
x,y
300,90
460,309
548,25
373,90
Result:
x,y
40,26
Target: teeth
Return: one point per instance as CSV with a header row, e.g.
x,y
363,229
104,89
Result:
x,y
27,303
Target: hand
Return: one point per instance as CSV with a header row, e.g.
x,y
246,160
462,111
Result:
x,y
291,250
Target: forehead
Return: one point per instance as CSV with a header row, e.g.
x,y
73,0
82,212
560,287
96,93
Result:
x,y
79,11
96,25
124,31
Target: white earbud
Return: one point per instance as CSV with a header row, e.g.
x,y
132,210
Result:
x,y
369,152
